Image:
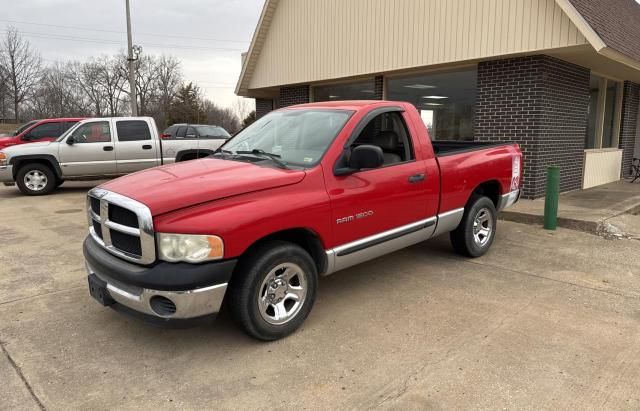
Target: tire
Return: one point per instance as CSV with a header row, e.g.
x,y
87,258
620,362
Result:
x,y
259,290
35,179
468,239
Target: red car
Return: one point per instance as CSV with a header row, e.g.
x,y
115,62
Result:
x,y
38,130
304,192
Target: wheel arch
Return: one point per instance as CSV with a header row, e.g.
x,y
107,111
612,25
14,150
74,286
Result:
x,y
306,238
490,189
45,159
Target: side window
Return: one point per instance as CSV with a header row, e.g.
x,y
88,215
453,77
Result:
x,y
46,130
389,132
94,132
182,131
133,130
67,125
191,133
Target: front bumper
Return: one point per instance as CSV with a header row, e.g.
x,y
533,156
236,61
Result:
x,y
195,290
6,174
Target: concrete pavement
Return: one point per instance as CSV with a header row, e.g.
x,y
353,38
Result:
x,y
545,320
610,210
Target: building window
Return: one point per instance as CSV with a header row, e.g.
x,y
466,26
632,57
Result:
x,y
446,101
603,124
361,90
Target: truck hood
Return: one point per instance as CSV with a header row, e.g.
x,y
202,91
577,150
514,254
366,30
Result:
x,y
175,186
25,148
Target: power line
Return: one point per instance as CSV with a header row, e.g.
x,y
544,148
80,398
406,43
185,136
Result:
x,y
116,42
122,32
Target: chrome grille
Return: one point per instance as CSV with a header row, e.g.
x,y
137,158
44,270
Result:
x,y
121,225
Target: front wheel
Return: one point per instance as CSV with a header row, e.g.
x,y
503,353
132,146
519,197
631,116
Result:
x,y
36,179
273,290
477,230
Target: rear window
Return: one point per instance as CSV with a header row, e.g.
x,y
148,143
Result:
x,y
133,130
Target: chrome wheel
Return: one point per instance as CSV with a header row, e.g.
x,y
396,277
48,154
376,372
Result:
x,y
282,294
482,227
35,180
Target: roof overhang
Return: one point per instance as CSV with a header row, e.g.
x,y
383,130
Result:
x,y
595,41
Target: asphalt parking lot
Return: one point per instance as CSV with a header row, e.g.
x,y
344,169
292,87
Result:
x,y
545,320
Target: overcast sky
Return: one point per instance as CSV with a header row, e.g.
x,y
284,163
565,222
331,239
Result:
x,y
207,36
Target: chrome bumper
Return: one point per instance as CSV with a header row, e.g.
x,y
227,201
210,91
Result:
x,y
189,304
6,174
509,199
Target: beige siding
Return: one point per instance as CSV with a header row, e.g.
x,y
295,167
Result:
x,y
313,40
601,167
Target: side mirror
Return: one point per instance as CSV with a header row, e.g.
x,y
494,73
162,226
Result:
x,y
366,156
362,157
70,141
27,137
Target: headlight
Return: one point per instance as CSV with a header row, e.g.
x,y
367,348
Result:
x,y
3,159
189,248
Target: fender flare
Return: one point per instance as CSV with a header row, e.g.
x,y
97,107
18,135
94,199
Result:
x,y
48,158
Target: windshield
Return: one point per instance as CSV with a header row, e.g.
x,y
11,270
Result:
x,y
212,131
297,137
22,128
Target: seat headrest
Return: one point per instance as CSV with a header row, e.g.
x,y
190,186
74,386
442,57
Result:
x,y
386,140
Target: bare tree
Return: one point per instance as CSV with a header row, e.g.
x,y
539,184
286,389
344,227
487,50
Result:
x,y
147,75
169,79
4,92
23,66
86,77
111,80
243,107
224,117
57,94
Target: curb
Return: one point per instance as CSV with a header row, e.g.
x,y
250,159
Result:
x,y
592,227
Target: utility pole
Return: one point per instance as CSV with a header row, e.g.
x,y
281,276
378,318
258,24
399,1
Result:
x,y
131,60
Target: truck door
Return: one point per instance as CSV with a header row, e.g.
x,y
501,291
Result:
x,y
398,197
88,150
136,149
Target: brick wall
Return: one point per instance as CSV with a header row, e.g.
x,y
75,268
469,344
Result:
x,y
263,106
290,96
378,87
630,107
541,103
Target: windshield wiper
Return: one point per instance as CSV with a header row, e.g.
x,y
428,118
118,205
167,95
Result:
x,y
263,154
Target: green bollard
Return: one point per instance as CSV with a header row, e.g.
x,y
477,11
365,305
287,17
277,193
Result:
x,y
551,199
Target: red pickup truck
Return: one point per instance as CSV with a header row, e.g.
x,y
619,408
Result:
x,y
37,130
303,192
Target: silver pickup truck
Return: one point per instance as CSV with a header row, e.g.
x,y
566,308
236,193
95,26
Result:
x,y
97,148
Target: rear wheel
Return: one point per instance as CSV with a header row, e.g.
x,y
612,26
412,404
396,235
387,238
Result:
x,y
36,179
477,230
274,290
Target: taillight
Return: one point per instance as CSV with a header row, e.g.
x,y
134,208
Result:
x,y
515,172
165,135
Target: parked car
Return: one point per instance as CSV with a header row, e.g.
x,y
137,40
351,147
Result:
x,y
193,131
305,191
95,148
37,130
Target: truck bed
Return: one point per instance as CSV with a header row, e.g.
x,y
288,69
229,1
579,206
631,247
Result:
x,y
449,147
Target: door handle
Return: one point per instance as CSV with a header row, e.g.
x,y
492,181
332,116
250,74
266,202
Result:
x,y
416,178
146,147
107,148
